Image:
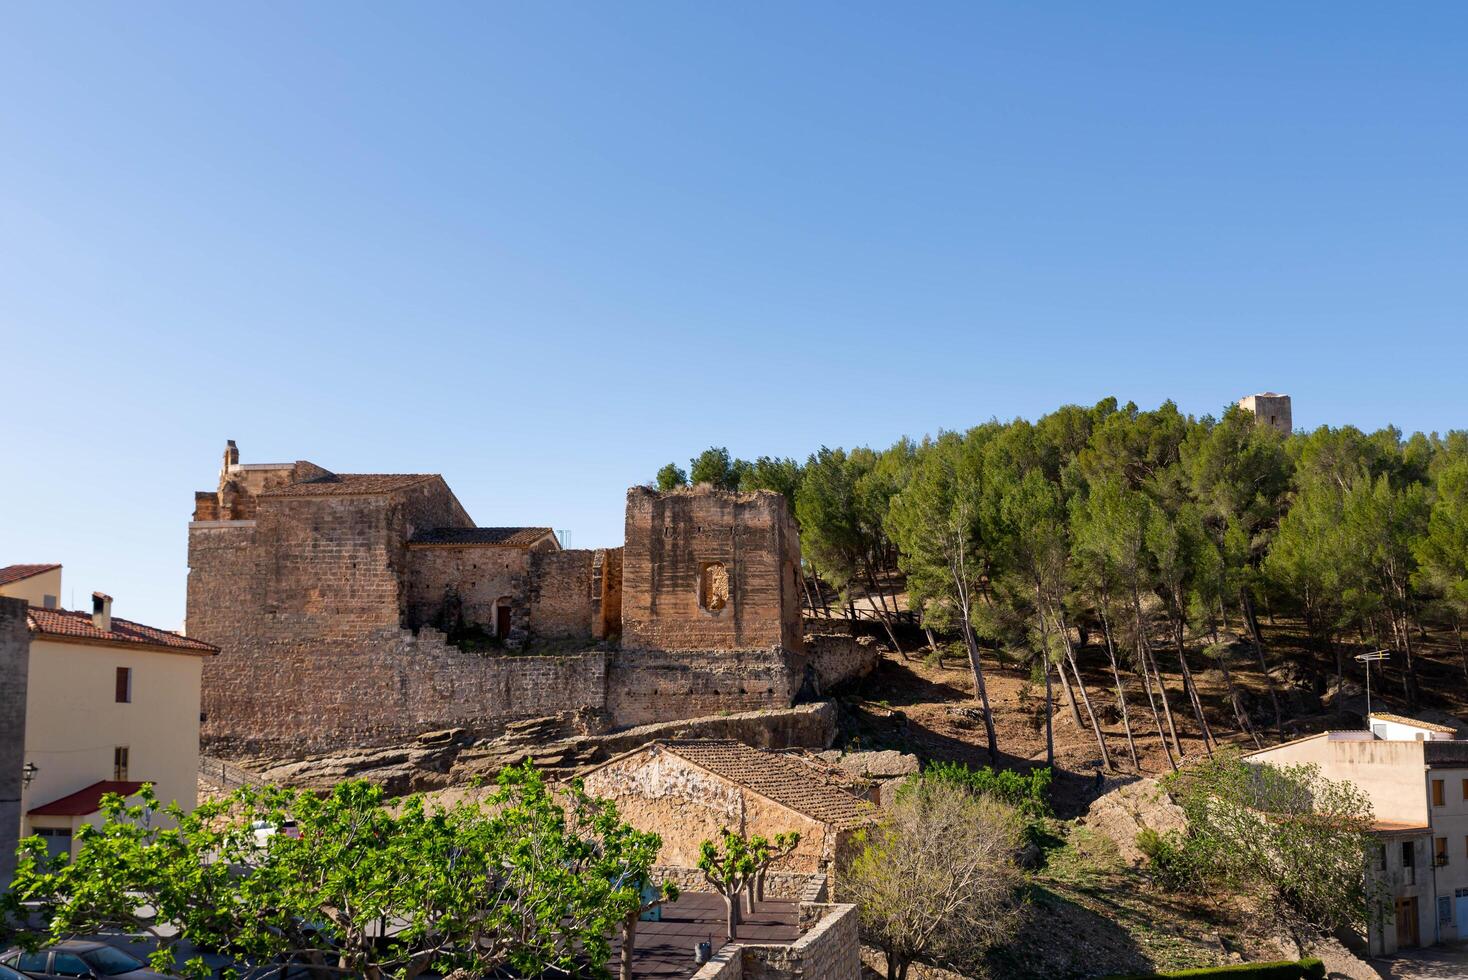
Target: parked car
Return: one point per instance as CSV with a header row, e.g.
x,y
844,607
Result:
x,y
264,830
79,960
6,973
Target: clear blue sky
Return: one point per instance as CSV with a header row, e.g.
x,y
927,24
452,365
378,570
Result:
x,y
543,248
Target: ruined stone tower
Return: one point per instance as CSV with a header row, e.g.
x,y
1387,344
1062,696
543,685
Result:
x,y
1270,408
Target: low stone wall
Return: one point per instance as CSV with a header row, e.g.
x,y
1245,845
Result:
x,y
785,886
829,951
649,686
804,726
840,658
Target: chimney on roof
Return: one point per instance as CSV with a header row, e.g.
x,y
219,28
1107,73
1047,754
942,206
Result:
x,y
102,611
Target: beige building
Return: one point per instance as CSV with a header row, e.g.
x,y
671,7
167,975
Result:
x,y
38,585
688,791
1416,775
109,705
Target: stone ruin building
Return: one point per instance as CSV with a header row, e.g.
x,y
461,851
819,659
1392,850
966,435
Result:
x,y
356,609
1270,408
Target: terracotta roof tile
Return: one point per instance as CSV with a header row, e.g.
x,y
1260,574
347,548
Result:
x,y
351,485
78,625
14,573
786,780
1424,725
505,537
85,801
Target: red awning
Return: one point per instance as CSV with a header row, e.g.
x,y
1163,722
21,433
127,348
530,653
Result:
x,y
85,801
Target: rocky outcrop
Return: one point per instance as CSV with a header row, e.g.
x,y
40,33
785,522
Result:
x,y
1125,811
556,744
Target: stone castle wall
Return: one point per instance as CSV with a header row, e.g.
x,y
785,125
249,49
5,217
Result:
x,y
451,585
307,603
710,570
646,686
331,621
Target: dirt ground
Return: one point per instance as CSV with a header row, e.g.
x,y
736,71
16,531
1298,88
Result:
x,y
913,702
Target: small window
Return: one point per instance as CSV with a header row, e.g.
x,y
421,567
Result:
x,y
1439,795
713,586
1409,858
124,685
119,763
1465,791
1440,850
48,602
1380,857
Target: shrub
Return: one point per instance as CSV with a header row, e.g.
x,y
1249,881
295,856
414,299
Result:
x,y
1029,793
1306,969
1170,859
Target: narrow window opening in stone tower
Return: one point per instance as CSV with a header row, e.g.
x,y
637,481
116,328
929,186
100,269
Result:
x,y
713,586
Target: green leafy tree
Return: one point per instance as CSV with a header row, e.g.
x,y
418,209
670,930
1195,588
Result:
x,y
526,881
736,865
1442,552
670,477
770,473
937,522
714,466
1284,834
936,878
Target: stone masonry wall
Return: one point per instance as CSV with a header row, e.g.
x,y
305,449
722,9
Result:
x,y
840,658
646,686
305,603
451,585
560,596
829,950
290,699
710,570
658,791
607,574
15,645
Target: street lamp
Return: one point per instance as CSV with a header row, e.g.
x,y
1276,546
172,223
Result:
x,y
28,773
1368,659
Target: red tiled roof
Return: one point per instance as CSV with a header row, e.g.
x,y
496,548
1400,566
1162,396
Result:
x,y
785,780
78,625
504,537
14,573
351,484
85,801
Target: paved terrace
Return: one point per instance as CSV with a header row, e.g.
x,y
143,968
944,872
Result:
x,y
665,949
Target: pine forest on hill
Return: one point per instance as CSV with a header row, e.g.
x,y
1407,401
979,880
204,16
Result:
x,y
1124,588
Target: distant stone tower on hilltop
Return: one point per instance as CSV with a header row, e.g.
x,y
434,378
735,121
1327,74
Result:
x,y
1271,408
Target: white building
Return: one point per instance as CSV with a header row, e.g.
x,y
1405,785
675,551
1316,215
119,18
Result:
x,y
109,705
1416,775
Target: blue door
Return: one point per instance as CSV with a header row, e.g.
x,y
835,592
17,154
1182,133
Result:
x,y
1462,910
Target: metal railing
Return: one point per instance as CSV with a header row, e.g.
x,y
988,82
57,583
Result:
x,y
227,775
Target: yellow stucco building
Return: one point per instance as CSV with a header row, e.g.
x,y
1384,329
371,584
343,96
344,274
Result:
x,y
110,704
